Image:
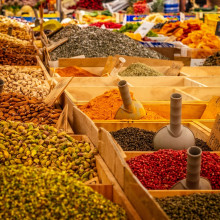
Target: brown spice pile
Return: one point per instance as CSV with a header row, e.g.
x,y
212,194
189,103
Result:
x,y
74,71
104,107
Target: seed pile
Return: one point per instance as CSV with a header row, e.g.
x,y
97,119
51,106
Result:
x,y
195,206
67,31
139,69
16,46
26,81
104,107
136,139
213,60
15,107
28,193
45,146
163,168
97,42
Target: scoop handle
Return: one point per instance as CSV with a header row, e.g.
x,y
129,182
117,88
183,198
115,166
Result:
x,y
125,95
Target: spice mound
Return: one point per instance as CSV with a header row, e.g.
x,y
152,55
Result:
x,y
195,206
97,42
28,193
15,107
163,168
45,146
65,32
104,107
139,69
25,81
136,139
213,60
74,71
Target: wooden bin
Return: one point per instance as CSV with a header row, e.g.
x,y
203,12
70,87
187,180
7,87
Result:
x,y
158,93
153,81
107,185
200,71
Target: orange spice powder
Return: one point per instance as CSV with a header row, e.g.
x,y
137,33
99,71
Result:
x,y
104,107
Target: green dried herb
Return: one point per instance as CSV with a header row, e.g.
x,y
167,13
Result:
x,y
139,69
195,206
45,146
39,193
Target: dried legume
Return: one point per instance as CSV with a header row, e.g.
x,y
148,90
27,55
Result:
x,y
164,168
45,146
195,206
28,193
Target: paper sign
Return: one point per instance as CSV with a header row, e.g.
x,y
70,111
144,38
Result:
x,y
197,62
214,138
103,26
124,20
62,122
57,91
144,28
182,17
57,44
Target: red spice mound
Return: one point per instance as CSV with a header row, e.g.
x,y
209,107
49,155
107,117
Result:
x,y
74,71
164,168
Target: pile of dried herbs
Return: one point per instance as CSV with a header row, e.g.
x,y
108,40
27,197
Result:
x,y
39,193
97,42
65,32
213,60
195,206
139,69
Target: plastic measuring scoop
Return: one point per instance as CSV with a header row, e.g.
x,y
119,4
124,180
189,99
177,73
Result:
x,y
131,109
193,179
175,135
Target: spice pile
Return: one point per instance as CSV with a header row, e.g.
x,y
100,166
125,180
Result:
x,y
213,60
90,4
15,107
163,168
16,46
67,31
136,139
74,71
45,146
105,107
28,193
97,42
110,25
20,30
26,81
195,206
139,69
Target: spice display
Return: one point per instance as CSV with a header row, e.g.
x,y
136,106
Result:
x,y
90,4
110,25
74,71
136,139
67,31
94,17
45,146
47,194
139,69
16,107
104,107
16,80
163,168
7,58
156,18
16,46
194,206
97,42
213,60
20,30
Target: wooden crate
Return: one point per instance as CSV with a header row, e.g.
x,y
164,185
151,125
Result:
x,y
134,81
107,185
200,71
207,80
206,124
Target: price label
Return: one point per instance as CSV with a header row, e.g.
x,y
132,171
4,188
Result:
x,y
214,138
182,17
144,28
197,62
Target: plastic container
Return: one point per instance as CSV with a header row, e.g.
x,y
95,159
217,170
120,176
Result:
x,y
211,20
